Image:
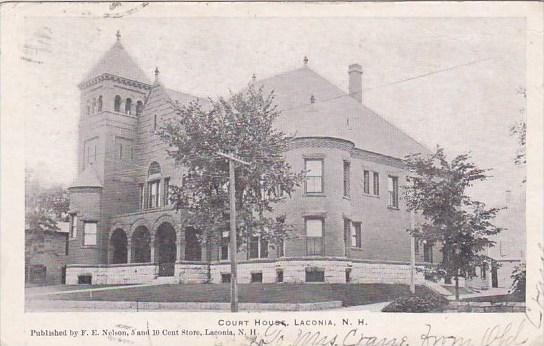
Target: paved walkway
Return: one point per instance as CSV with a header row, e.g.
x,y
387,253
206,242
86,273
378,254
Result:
x,y
484,293
376,307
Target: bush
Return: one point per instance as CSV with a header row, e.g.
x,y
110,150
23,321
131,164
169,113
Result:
x,y
519,275
428,302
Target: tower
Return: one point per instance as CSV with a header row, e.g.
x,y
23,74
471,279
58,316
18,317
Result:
x,y
112,97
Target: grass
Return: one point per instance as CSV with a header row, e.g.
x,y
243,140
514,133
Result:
x,y
349,294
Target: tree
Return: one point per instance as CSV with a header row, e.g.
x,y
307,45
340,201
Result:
x,y
450,217
44,207
241,125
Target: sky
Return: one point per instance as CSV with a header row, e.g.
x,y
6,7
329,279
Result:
x,y
452,82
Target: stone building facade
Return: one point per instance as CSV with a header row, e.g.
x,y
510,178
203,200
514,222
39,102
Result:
x,y
349,214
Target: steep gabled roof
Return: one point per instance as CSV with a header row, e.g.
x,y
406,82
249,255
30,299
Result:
x,y
333,114
87,178
118,62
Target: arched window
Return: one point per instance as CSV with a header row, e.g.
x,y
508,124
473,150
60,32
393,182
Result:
x,y
128,106
139,107
99,103
93,109
88,108
117,104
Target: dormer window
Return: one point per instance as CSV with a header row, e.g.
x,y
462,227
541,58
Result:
x,y
117,104
128,106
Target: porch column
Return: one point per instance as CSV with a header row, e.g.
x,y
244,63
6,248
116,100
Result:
x,y
152,249
180,246
129,249
204,247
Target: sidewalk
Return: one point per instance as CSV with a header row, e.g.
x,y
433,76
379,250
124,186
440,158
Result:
x,y
376,307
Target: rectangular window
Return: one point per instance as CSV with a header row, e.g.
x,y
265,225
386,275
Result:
x,y
428,253
225,236
89,233
66,245
356,240
347,174
315,275
376,183
314,236
314,176
154,194
281,248
73,226
257,277
393,190
258,248
254,247
142,196
366,182
416,246
166,201
120,151
279,275
225,278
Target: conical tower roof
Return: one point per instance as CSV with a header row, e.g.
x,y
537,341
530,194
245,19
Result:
x,y
87,178
119,63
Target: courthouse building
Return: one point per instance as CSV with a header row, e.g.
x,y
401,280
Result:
x,y
349,215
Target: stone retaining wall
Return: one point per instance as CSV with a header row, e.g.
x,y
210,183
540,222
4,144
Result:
x,y
64,305
485,307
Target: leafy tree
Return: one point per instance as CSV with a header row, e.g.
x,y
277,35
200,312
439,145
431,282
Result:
x,y
450,217
240,125
519,283
44,207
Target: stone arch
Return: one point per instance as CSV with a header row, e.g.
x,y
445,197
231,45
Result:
x,y
117,103
119,246
139,223
128,106
141,245
166,248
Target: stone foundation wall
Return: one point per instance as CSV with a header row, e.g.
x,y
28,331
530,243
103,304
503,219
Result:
x,y
294,271
388,273
191,273
113,274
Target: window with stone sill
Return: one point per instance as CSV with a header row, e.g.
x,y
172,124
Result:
x,y
314,236
89,233
393,191
314,176
258,247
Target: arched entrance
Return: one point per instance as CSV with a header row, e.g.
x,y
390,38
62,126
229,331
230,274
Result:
x,y
119,243
141,249
193,250
165,248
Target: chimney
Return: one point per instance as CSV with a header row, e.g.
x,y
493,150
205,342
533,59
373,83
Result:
x,y
355,87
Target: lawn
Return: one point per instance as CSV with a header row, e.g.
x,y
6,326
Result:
x,y
349,294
